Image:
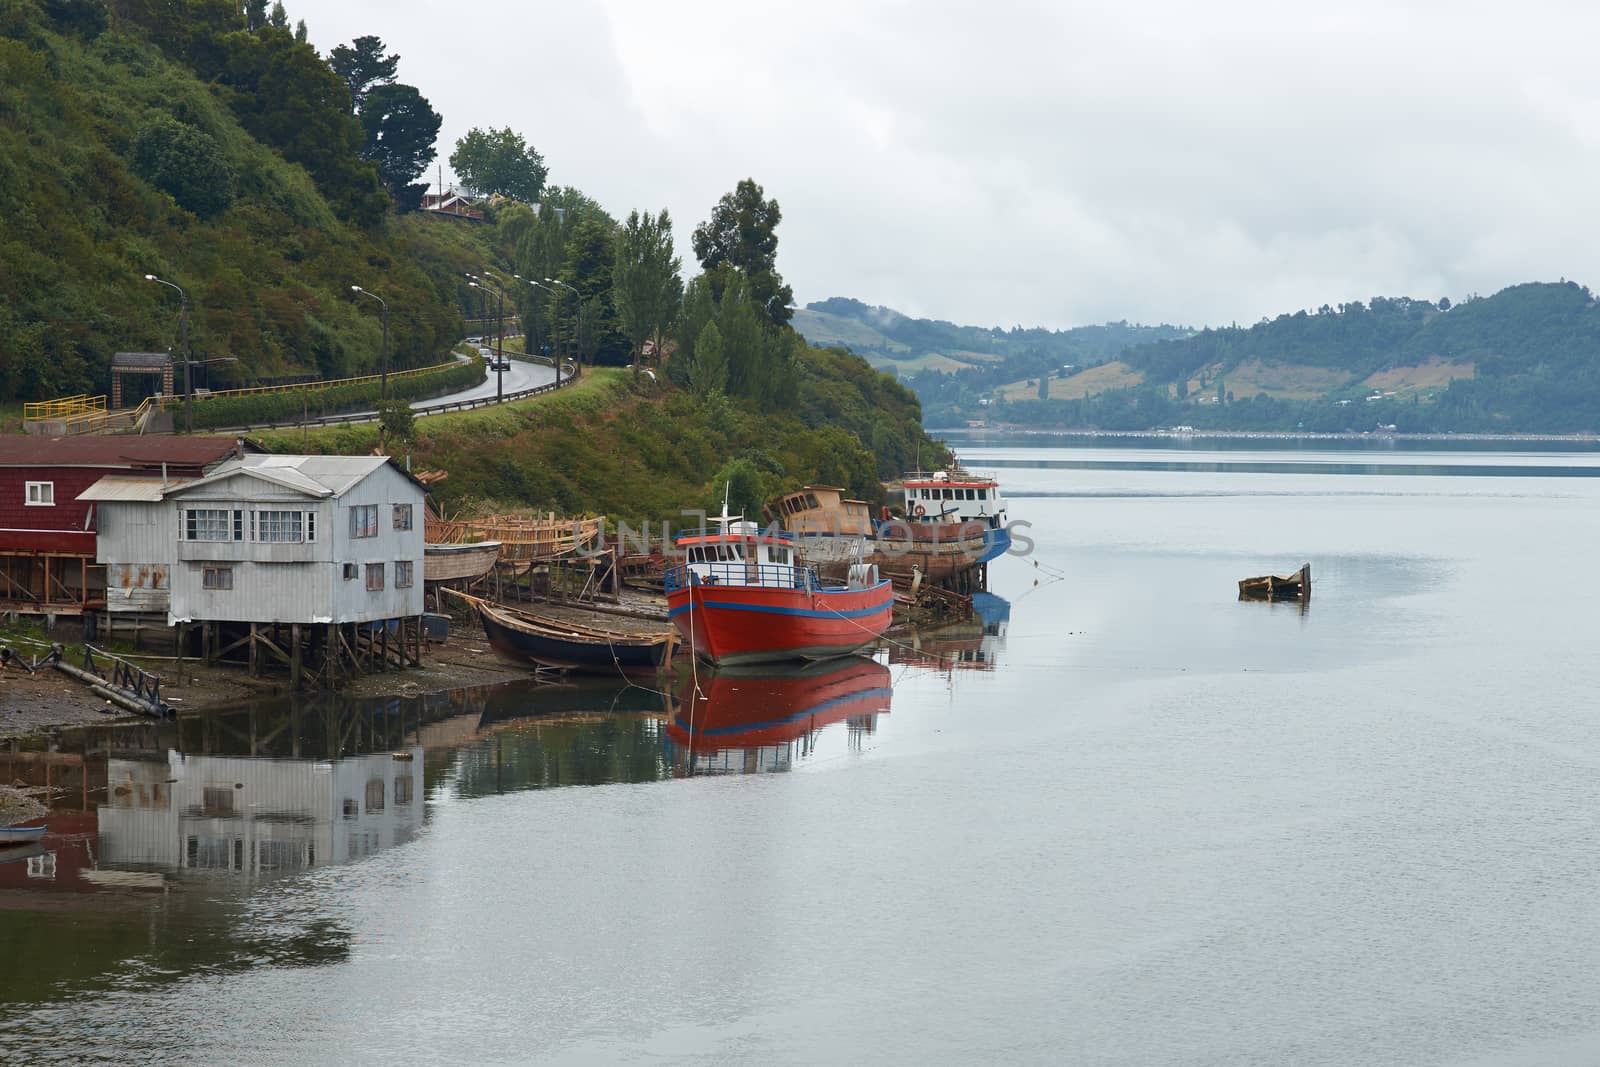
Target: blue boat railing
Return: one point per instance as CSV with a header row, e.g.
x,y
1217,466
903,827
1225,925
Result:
x,y
745,575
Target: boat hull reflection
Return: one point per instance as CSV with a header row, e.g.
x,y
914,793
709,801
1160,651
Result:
x,y
753,719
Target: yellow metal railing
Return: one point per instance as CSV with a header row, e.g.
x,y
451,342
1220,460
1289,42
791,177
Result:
x,y
63,408
254,390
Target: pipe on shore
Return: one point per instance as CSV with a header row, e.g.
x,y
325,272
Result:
x,y
98,686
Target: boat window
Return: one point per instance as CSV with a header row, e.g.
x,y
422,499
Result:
x,y
811,500
983,494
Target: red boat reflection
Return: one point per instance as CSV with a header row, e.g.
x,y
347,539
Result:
x,y
762,719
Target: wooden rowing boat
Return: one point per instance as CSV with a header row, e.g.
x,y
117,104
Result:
x,y
521,539
528,637
451,562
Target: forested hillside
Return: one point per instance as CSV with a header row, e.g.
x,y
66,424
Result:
x,y
178,140
1525,360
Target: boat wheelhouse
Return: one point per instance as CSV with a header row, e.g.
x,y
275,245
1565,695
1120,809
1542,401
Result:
x,y
742,595
954,495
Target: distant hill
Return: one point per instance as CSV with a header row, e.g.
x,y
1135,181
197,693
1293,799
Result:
x,y
929,354
1525,360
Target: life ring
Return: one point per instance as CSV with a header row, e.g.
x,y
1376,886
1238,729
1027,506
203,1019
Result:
x,y
919,511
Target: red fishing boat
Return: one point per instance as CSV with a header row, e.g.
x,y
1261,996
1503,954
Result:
x,y
742,596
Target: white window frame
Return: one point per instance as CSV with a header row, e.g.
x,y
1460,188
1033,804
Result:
x,y
287,526
39,494
221,571
405,510
375,570
403,573
358,524
233,523
352,571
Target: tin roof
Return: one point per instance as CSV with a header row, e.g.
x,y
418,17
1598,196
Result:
x,y
131,453
313,475
134,489
141,359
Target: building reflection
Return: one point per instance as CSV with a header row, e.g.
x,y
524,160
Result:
x,y
255,816
764,719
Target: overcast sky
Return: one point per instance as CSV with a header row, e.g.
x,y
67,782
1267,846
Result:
x,y
1054,164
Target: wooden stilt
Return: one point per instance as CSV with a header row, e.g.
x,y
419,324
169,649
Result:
x,y
255,652
295,652
207,641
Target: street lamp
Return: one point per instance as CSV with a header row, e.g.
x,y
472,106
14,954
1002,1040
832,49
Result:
x,y
557,317
183,344
577,310
500,343
383,386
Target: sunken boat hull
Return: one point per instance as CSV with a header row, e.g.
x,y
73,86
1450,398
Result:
x,y
531,638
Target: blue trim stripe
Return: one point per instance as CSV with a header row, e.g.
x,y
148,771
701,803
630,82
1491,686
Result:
x,y
768,609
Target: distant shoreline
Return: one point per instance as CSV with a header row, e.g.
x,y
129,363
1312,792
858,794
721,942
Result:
x,y
1268,435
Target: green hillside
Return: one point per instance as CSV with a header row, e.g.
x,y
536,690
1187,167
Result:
x,y
140,138
1525,360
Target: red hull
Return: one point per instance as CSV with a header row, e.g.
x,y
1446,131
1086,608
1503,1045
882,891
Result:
x,y
731,624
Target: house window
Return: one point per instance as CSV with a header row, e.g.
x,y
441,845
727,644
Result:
x,y
364,520
402,574
350,808
217,578
280,526
374,795
402,516
213,524
402,789
374,577
41,494
352,571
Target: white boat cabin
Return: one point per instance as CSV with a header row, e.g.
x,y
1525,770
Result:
x,y
741,554
954,495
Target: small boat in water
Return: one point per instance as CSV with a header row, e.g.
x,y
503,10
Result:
x,y
1296,586
743,596
21,835
563,645
454,562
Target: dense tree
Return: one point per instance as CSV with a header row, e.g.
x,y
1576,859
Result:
x,y
278,17
742,233
645,279
285,95
186,163
364,65
706,369
499,161
255,14
401,129
588,269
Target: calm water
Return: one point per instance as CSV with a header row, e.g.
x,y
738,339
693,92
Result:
x,y
1129,821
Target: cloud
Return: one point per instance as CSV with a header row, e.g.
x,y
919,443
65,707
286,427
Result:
x,y
1048,164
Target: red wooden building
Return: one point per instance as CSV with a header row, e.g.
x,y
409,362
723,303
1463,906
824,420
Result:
x,y
47,535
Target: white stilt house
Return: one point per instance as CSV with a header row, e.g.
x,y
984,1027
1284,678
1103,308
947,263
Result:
x,y
331,542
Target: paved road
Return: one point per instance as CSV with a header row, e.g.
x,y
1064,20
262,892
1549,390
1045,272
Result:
x,y
521,375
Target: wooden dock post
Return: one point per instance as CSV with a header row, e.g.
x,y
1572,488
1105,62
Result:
x,y
296,654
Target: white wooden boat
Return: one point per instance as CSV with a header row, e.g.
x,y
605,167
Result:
x,y
449,562
20,835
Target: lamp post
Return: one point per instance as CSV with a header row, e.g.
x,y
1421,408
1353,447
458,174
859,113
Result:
x,y
500,337
556,317
577,311
183,345
383,386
